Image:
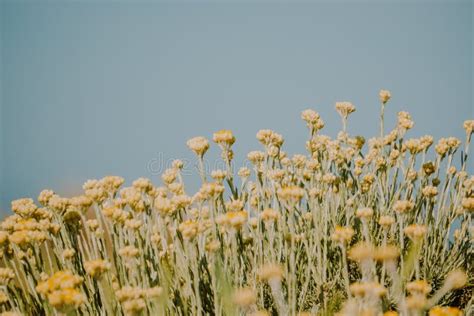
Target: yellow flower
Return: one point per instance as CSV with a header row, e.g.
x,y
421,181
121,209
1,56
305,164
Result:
x,y
469,126
361,252
468,204
218,175
24,207
271,272
291,193
429,191
189,229
345,108
224,137
373,289
95,268
269,214
415,231
269,138
45,196
66,297
244,297
364,213
129,251
386,221
68,253
236,219
404,121
143,185
342,234
6,275
312,119
3,297
416,302
310,116
456,279
61,290
244,172
199,145
419,287
445,311
256,157
386,253
384,96
403,206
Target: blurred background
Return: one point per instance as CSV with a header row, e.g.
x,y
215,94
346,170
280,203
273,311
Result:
x,y
92,88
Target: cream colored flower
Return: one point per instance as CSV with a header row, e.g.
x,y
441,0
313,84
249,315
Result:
x,y
95,268
269,215
403,206
345,108
68,254
291,193
429,191
128,252
199,145
312,119
404,120
469,126
189,229
24,207
271,272
386,221
368,289
62,290
468,204
384,96
386,253
218,175
415,231
342,234
445,311
269,138
361,252
456,279
44,197
419,287
6,275
244,297
244,172
224,137
364,213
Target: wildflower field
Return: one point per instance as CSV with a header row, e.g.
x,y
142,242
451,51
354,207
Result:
x,y
348,228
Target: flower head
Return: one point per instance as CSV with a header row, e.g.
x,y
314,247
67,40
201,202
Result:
x,y
345,108
445,311
199,145
224,137
342,234
469,126
416,232
62,290
384,96
271,272
95,268
244,297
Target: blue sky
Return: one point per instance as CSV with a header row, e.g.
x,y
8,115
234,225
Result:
x,y
93,88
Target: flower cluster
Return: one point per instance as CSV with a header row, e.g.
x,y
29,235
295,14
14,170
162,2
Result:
x,y
351,227
62,290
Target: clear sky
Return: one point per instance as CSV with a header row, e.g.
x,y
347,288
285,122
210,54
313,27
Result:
x,y
91,88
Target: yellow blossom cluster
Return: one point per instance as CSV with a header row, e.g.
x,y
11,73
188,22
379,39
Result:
x,y
62,290
349,227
